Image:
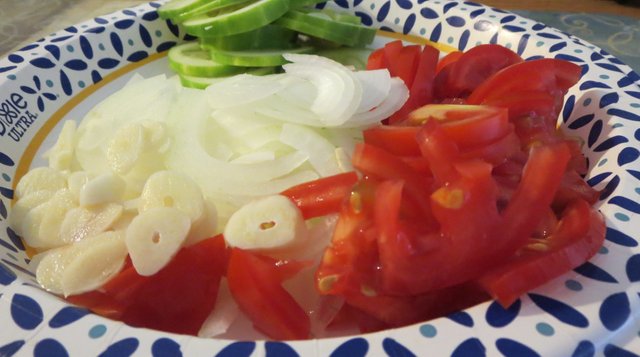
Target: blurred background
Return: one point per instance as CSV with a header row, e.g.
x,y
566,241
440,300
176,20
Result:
x,y
609,24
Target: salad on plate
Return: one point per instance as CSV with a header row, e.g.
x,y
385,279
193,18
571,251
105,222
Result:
x,y
294,176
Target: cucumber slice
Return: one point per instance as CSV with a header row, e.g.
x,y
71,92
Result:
x,y
190,59
218,6
198,82
204,82
246,18
295,4
173,8
267,37
265,58
328,29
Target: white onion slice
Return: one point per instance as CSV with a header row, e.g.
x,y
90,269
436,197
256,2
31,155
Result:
x,y
398,95
320,151
243,89
339,92
376,85
224,313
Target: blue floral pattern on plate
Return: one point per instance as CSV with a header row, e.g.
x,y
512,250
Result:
x,y
594,310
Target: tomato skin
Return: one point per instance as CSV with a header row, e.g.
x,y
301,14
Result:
x,y
534,194
578,236
421,84
376,59
322,196
459,78
448,59
397,140
546,75
256,285
146,301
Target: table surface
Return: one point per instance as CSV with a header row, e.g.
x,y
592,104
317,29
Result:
x,y
605,23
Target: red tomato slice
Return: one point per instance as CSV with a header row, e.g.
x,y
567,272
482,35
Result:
x,y
165,301
421,86
522,104
536,191
578,236
322,196
397,140
376,59
448,59
467,125
473,68
545,75
256,285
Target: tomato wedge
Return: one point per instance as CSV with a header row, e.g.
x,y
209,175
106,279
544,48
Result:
x,y
322,196
165,301
255,282
472,68
545,75
578,236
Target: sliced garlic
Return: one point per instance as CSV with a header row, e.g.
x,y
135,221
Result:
x,y
40,179
125,148
76,181
41,226
172,189
99,259
106,188
83,266
25,204
155,236
61,154
81,222
272,224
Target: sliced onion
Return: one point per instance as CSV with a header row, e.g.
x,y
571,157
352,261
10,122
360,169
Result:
x,y
376,85
320,151
339,92
243,89
398,95
224,313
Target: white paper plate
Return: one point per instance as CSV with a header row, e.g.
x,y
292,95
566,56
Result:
x,y
594,310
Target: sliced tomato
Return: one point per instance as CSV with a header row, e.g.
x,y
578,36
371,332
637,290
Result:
x,y
523,104
255,282
473,67
165,301
578,236
397,140
322,196
402,61
545,75
376,59
448,59
536,191
421,85
467,125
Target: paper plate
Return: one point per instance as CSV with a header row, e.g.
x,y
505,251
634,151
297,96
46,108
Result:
x,y
594,310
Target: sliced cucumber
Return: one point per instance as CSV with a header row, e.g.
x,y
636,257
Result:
x,y
204,82
266,37
266,58
174,8
216,6
198,82
190,59
328,29
246,18
296,4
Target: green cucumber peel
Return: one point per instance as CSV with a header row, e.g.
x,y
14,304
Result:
x,y
246,18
